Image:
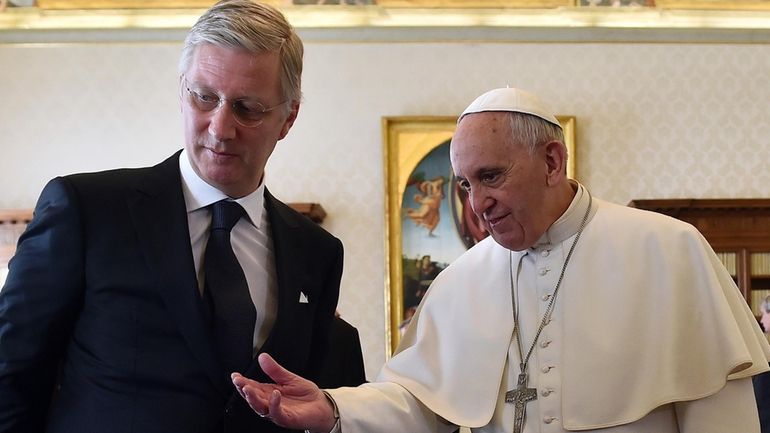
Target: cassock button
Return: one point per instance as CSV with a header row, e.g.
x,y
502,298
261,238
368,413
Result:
x,y
546,297
545,343
545,369
548,419
545,253
546,392
543,271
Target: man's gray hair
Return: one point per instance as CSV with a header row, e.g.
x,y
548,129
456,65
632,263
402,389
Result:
x,y
532,131
255,27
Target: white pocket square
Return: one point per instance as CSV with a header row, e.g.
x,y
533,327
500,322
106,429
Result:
x,y
302,298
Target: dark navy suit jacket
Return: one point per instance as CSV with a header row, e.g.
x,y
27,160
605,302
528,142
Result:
x,y
101,322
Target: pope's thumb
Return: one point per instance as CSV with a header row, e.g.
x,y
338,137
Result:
x,y
279,374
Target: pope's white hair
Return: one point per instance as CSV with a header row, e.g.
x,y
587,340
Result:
x,y
532,131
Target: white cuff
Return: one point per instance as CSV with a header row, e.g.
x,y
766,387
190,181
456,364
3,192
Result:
x,y
336,428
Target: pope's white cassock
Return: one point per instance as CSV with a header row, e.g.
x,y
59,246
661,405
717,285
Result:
x,y
649,335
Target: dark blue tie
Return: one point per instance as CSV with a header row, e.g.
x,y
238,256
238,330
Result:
x,y
226,292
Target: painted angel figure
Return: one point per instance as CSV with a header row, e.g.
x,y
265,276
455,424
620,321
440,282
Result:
x,y
428,214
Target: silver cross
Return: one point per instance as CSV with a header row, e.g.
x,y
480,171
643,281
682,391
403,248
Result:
x,y
520,397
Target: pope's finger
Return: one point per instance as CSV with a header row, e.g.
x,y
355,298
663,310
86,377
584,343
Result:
x,y
257,403
275,400
276,372
240,391
251,390
274,406
238,380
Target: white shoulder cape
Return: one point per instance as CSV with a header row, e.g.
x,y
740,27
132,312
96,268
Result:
x,y
650,317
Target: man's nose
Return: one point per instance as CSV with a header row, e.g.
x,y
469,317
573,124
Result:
x,y
480,201
222,124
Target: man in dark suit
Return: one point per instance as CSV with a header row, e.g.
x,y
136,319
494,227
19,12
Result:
x,y
123,311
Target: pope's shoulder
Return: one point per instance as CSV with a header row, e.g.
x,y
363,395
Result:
x,y
639,221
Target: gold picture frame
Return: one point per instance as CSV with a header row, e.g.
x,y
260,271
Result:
x,y
124,4
410,141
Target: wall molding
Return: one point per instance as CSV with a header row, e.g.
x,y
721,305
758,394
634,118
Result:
x,y
385,24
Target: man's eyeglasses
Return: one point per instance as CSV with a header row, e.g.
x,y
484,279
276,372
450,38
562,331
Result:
x,y
247,112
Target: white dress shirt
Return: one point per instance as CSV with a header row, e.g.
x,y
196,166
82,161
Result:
x,y
251,240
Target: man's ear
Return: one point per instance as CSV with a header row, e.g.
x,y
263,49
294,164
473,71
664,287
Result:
x,y
556,162
290,119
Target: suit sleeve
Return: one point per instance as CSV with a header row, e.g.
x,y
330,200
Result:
x,y
38,306
344,364
354,373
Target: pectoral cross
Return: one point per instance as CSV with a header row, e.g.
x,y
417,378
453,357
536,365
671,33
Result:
x,y
520,397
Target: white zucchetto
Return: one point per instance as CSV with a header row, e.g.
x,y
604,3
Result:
x,y
510,99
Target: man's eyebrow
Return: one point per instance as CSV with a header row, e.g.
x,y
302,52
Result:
x,y
481,171
488,170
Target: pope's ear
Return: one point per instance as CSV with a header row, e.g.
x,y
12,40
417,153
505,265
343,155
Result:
x,y
556,161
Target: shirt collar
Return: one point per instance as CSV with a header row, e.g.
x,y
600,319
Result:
x,y
569,222
198,194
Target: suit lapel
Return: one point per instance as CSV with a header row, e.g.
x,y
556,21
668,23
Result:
x,y
159,215
286,246
288,258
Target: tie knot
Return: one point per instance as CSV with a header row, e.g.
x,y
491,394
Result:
x,y
224,215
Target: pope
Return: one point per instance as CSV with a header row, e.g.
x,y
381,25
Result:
x,y
575,315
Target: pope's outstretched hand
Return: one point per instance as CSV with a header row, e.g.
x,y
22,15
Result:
x,y
292,401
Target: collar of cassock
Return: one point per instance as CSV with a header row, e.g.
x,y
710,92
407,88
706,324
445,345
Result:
x,y
569,222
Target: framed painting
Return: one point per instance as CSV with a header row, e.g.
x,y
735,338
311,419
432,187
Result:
x,y
428,223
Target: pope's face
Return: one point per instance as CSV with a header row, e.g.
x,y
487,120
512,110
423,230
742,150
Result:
x,y
225,154
506,184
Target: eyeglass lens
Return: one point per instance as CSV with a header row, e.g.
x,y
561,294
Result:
x,y
246,111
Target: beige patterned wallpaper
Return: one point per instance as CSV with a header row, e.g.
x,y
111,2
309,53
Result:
x,y
653,121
